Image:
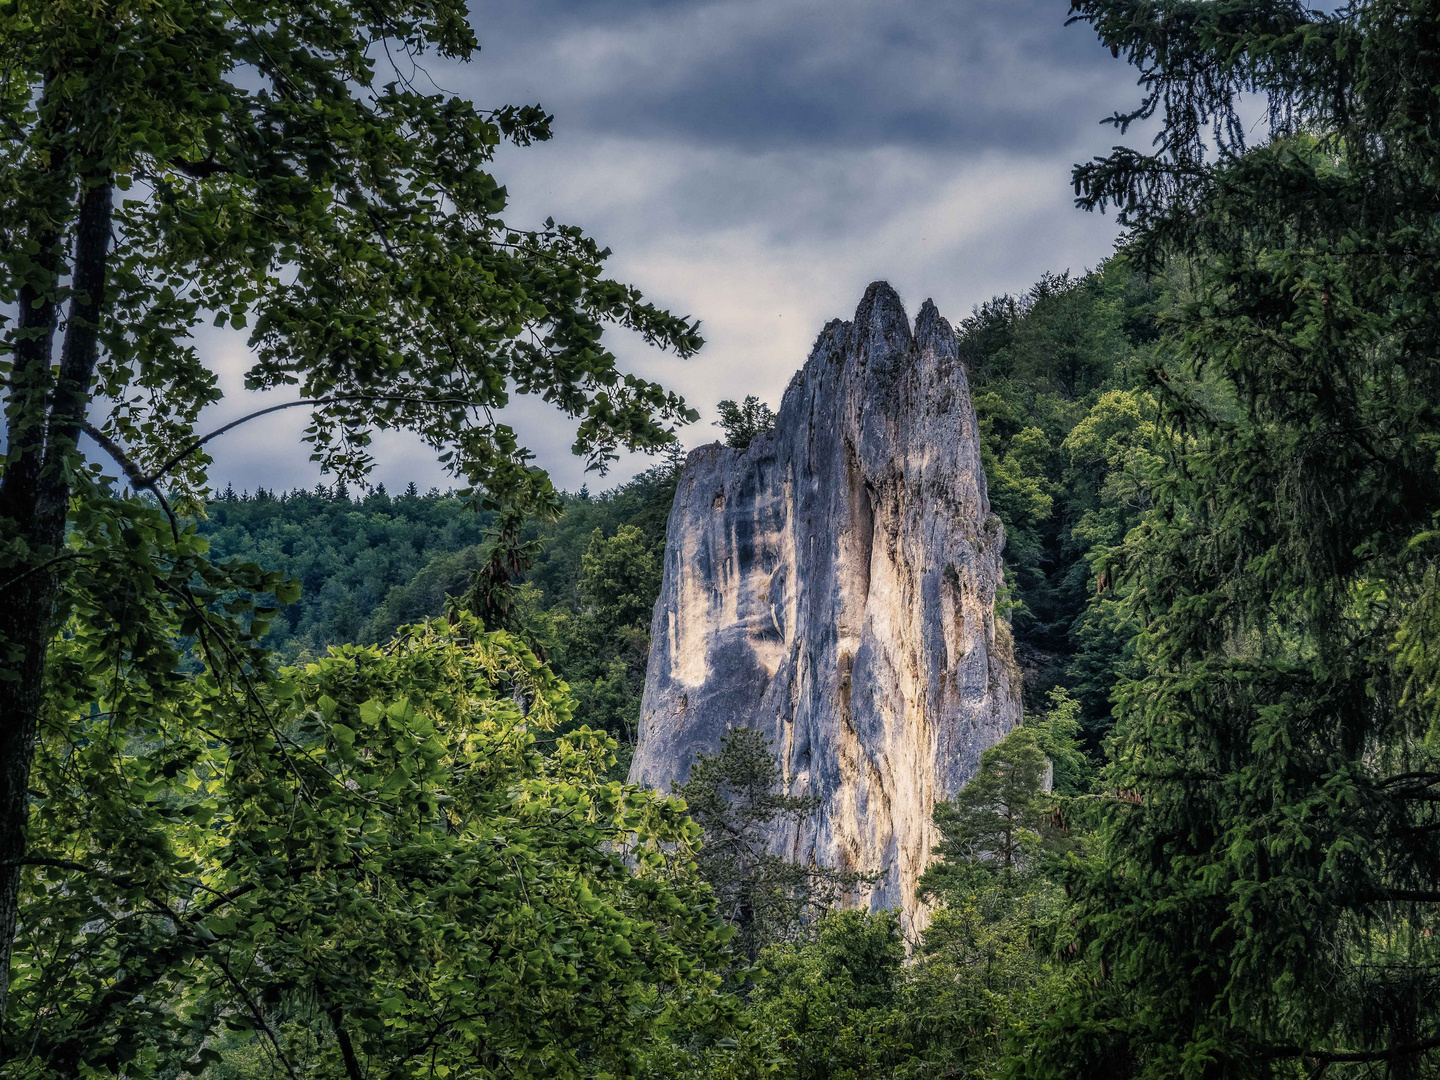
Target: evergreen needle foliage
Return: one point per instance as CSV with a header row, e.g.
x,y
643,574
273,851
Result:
x,y
994,821
1265,901
856,998
736,796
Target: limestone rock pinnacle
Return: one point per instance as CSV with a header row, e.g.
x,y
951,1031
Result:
x,y
833,585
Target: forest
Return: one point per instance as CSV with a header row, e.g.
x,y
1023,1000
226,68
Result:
x,y
332,782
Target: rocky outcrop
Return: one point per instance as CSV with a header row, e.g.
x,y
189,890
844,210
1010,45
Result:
x,y
833,585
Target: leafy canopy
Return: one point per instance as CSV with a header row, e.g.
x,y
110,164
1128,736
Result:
x,y
278,167
1043,367
393,843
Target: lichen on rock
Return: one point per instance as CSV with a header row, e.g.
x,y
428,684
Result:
x,y
833,586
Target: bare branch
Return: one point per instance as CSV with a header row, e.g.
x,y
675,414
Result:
x,y
138,480
195,444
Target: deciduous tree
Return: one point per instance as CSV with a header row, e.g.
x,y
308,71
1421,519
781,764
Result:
x,y
743,421
275,166
391,865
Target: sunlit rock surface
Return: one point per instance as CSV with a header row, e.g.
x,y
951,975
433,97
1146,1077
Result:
x,y
833,585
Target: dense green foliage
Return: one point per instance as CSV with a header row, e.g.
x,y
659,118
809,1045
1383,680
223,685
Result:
x,y
407,852
1265,898
271,165
1066,428
736,797
589,599
382,860
364,566
743,421
842,1001
372,563
994,821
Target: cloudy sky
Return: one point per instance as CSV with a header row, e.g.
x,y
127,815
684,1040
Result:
x,y
754,163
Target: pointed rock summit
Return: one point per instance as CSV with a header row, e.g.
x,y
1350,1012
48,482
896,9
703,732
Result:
x,y
833,586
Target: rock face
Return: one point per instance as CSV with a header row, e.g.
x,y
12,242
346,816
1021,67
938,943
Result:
x,y
833,585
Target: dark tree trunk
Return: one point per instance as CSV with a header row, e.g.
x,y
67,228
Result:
x,y
43,421
24,599
347,1048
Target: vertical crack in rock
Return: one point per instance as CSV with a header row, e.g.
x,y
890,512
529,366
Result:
x,y
833,586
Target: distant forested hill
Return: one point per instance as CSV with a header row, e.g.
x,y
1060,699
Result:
x,y
369,562
348,552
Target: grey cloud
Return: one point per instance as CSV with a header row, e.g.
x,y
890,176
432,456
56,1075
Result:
x,y
755,163
810,229
765,73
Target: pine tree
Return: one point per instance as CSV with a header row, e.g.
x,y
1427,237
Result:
x,y
735,796
744,421
994,822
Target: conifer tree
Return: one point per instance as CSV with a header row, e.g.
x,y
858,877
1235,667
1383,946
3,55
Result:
x,y
736,796
1268,893
994,821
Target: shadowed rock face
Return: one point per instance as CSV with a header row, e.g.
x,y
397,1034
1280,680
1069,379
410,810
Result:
x,y
833,585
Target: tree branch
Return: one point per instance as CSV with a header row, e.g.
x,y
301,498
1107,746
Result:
x,y
1419,896
138,480
63,864
255,1014
347,1048
195,444
200,170
66,557
1335,1057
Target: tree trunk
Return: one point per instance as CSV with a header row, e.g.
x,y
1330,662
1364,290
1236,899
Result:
x,y
347,1048
25,598
43,419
